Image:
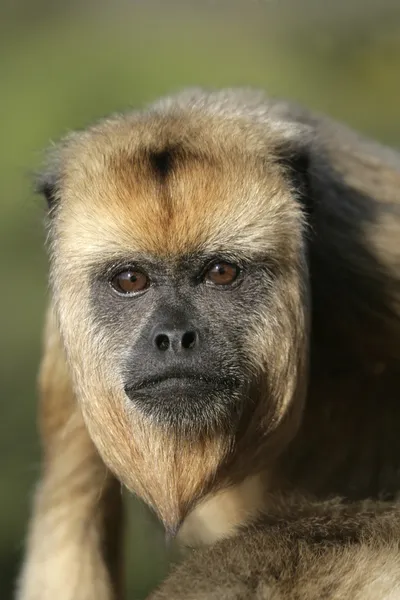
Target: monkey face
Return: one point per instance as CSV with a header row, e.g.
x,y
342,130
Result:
x,y
180,283
184,367
182,331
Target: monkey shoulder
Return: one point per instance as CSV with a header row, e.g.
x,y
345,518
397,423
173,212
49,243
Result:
x,y
309,552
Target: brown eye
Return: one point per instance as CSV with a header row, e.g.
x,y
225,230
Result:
x,y
222,273
130,282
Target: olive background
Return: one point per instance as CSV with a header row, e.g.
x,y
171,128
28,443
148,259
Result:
x,y
64,64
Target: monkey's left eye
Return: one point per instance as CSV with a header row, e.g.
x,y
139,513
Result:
x,y
222,273
130,282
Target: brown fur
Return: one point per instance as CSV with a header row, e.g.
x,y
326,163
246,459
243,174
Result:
x,y
298,553
74,551
214,172
98,168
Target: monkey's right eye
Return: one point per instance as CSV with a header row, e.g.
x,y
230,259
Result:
x,y
130,282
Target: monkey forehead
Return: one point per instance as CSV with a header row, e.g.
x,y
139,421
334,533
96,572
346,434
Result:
x,y
172,186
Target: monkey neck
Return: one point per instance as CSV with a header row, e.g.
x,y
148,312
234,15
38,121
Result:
x,y
348,443
220,514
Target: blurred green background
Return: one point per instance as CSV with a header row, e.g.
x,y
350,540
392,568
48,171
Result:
x,y
63,65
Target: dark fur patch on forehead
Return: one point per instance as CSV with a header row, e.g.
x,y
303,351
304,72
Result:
x,y
165,158
159,161
162,162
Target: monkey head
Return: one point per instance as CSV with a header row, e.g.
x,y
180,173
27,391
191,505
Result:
x,y
179,279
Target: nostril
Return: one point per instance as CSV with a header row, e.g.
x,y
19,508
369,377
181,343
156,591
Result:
x,y
189,340
162,342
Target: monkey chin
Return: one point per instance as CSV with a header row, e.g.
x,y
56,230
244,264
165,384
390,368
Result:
x,y
190,407
193,476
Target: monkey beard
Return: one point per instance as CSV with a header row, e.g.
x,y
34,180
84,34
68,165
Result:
x,y
174,451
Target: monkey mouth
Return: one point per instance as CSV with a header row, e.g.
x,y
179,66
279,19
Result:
x,y
187,401
182,381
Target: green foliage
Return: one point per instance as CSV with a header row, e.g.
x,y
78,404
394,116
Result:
x,y
63,70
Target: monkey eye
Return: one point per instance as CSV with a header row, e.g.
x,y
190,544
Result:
x,y
222,273
130,282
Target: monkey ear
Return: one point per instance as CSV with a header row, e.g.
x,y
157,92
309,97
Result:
x,y
295,160
47,180
294,143
46,185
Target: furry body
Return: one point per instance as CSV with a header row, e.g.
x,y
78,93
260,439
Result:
x,y
303,348
299,551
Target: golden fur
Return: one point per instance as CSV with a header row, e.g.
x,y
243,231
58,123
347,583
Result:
x,y
235,182
70,548
203,205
